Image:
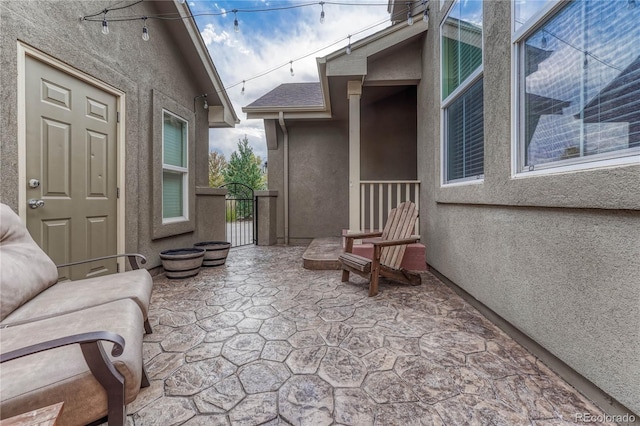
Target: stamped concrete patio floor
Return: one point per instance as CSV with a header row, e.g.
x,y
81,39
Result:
x,y
261,340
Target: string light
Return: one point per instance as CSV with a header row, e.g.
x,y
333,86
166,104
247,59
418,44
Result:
x,y
544,43
631,4
348,51
242,91
236,27
322,12
409,16
291,68
425,17
205,104
105,24
145,31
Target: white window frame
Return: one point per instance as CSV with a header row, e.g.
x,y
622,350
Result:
x,y
608,159
445,103
183,170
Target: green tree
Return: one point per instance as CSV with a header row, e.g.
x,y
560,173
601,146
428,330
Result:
x,y
217,164
245,167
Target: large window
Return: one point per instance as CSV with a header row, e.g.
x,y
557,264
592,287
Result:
x,y
578,74
462,92
174,168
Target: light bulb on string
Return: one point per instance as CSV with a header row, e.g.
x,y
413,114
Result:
x,y
348,51
182,1
205,104
242,91
409,17
631,4
236,27
105,24
145,31
322,12
291,68
425,17
544,43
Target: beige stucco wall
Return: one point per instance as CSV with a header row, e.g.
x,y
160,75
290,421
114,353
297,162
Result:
x,y
558,256
124,61
318,180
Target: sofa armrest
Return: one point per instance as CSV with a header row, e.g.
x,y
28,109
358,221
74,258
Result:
x,y
133,260
91,338
98,362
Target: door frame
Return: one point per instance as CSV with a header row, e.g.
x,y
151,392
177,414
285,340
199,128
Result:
x,y
25,51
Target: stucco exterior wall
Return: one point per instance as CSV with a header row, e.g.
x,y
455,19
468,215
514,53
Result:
x,y
318,180
124,61
556,255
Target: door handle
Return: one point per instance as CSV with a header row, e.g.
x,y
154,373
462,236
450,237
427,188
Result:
x,y
34,204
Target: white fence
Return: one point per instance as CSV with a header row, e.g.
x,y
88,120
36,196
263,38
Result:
x,y
378,197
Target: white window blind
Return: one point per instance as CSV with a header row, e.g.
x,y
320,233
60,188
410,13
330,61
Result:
x,y
175,172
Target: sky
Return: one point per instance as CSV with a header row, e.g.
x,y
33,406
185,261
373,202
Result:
x,y
269,39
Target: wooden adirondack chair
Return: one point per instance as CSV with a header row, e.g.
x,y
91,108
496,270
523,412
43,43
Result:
x,y
388,251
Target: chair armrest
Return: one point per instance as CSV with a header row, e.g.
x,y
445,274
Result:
x,y
387,243
91,338
363,235
133,261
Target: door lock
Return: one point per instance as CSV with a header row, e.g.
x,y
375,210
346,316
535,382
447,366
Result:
x,y
34,204
34,183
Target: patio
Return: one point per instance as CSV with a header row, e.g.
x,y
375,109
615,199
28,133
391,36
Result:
x,y
263,341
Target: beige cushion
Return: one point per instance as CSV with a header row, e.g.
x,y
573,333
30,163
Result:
x,y
69,296
61,374
25,270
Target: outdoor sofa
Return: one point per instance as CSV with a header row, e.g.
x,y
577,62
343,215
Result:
x,y
77,342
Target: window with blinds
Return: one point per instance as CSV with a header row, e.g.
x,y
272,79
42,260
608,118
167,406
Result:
x,y
579,85
174,167
462,92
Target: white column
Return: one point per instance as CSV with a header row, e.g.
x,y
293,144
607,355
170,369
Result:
x,y
354,91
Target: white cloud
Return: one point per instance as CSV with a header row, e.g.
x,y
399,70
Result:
x,y
270,40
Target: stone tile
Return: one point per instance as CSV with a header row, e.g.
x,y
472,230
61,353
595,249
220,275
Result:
x,y
249,289
472,409
306,400
263,300
386,387
402,345
194,377
208,311
380,360
362,341
239,305
429,381
243,348
334,333
307,360
147,396
183,339
471,381
221,397
525,396
220,335
150,350
255,409
177,319
277,328
223,299
249,325
491,364
354,407
222,320
263,376
212,420
261,312
306,339
341,369
276,351
203,351
301,312
408,414
337,313
165,412
163,365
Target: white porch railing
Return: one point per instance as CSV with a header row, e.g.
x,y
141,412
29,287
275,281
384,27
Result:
x,y
378,197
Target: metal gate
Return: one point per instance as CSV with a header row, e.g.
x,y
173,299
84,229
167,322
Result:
x,y
240,214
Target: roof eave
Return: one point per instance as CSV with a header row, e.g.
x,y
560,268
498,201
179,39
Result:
x,y
227,117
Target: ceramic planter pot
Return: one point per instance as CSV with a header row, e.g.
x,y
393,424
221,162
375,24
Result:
x,y
216,252
182,263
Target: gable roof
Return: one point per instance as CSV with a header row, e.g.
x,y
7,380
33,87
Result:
x,y
291,95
